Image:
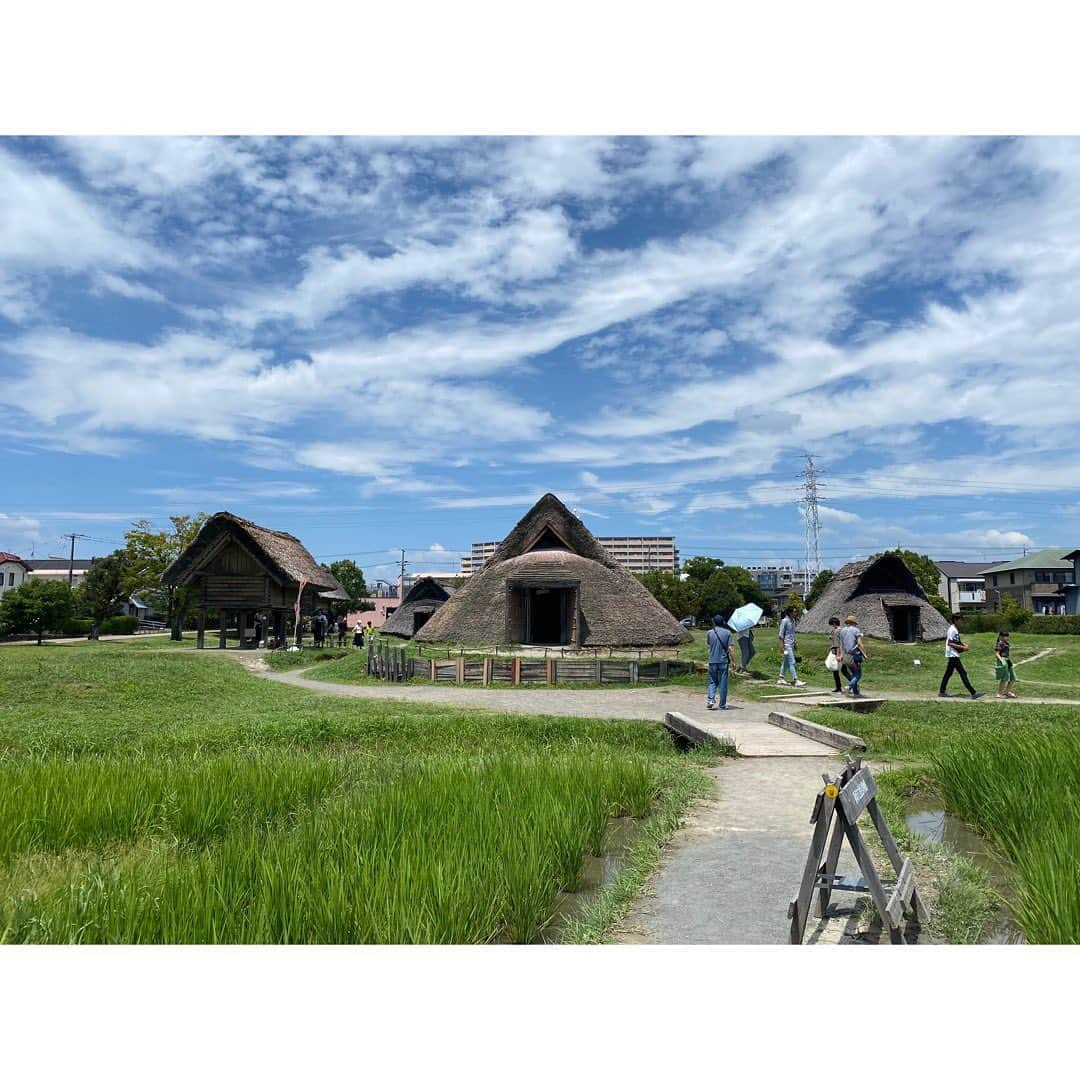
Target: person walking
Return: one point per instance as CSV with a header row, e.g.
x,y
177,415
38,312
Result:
x,y
786,633
851,643
721,656
342,630
953,649
1003,667
358,635
838,651
746,650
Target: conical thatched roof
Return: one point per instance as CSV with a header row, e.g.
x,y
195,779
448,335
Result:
x,y
426,596
550,548
867,590
282,556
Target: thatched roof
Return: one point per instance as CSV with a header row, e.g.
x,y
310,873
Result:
x,y
867,590
426,595
283,557
551,547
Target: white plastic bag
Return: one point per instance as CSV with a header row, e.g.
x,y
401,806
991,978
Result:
x,y
831,662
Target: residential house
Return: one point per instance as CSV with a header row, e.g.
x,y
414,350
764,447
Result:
x,y
59,569
1072,589
962,585
13,571
1037,581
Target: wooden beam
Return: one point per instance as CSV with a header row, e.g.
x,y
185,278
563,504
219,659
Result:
x,y
200,633
223,617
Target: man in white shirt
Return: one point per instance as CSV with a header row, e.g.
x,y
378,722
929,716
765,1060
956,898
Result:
x,y
953,648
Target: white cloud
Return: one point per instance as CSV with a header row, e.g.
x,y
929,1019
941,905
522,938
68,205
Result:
x,y
132,290
44,223
18,531
841,517
714,500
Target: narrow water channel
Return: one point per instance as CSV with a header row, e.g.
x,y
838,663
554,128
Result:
x,y
927,817
596,872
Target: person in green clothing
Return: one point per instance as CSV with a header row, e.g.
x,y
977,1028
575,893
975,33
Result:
x,y
1003,667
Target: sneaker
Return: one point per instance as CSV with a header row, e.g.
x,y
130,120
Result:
x,y
856,693
782,682
978,694
838,690
711,705
724,707
944,695
1010,695
799,682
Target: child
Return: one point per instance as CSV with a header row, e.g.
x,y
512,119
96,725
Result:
x,y
1003,669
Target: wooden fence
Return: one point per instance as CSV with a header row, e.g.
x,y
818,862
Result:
x,y
390,663
518,671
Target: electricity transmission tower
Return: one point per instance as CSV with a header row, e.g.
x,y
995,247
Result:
x,y
812,520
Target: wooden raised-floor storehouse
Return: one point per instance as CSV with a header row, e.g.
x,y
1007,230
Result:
x,y
250,573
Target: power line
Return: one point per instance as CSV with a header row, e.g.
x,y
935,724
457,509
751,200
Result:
x,y
71,558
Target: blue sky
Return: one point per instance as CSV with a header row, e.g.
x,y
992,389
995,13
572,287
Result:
x,y
381,343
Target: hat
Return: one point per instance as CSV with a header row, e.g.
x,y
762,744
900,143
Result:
x,y
851,618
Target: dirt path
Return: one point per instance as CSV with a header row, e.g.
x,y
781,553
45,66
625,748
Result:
x,y
745,721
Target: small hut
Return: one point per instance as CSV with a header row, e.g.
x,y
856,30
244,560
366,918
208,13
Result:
x,y
885,597
253,574
420,603
550,582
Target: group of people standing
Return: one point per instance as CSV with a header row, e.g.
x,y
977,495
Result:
x,y
324,626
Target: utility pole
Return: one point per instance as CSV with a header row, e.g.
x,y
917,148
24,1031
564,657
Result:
x,y
71,559
812,522
401,587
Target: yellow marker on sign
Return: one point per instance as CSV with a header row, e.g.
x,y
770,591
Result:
x,y
831,791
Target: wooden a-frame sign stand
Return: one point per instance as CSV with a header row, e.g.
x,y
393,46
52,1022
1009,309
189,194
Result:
x,y
837,810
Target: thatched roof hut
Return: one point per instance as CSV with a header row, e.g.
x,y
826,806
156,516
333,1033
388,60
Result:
x,y
244,569
885,597
550,582
420,603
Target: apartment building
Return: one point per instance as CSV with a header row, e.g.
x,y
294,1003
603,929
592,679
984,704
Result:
x,y
962,585
636,554
780,581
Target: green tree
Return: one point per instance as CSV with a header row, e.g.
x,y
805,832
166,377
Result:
x,y
701,567
795,601
922,568
817,586
148,552
352,579
716,595
1015,613
747,587
676,595
36,607
938,601
105,585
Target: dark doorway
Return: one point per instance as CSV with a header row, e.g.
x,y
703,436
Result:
x,y
419,618
547,616
905,623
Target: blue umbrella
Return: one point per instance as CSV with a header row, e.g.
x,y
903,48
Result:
x,y
745,617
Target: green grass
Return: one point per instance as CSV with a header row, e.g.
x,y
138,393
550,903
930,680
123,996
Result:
x,y
1011,772
914,730
167,796
1023,790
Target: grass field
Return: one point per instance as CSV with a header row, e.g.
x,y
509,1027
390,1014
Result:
x,y
157,795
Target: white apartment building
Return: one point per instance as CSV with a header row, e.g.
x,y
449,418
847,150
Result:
x,y
636,554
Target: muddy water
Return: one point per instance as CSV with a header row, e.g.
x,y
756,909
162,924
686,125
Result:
x,y
596,872
927,817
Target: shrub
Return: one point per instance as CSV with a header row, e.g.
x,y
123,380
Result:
x,y
1053,624
119,624
77,627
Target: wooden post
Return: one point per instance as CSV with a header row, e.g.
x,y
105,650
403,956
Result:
x,y
633,671
599,671
461,670
515,671
487,671
200,633
241,625
662,674
223,617
432,663
549,666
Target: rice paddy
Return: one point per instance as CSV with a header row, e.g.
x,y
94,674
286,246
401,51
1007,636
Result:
x,y
1013,772
160,797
